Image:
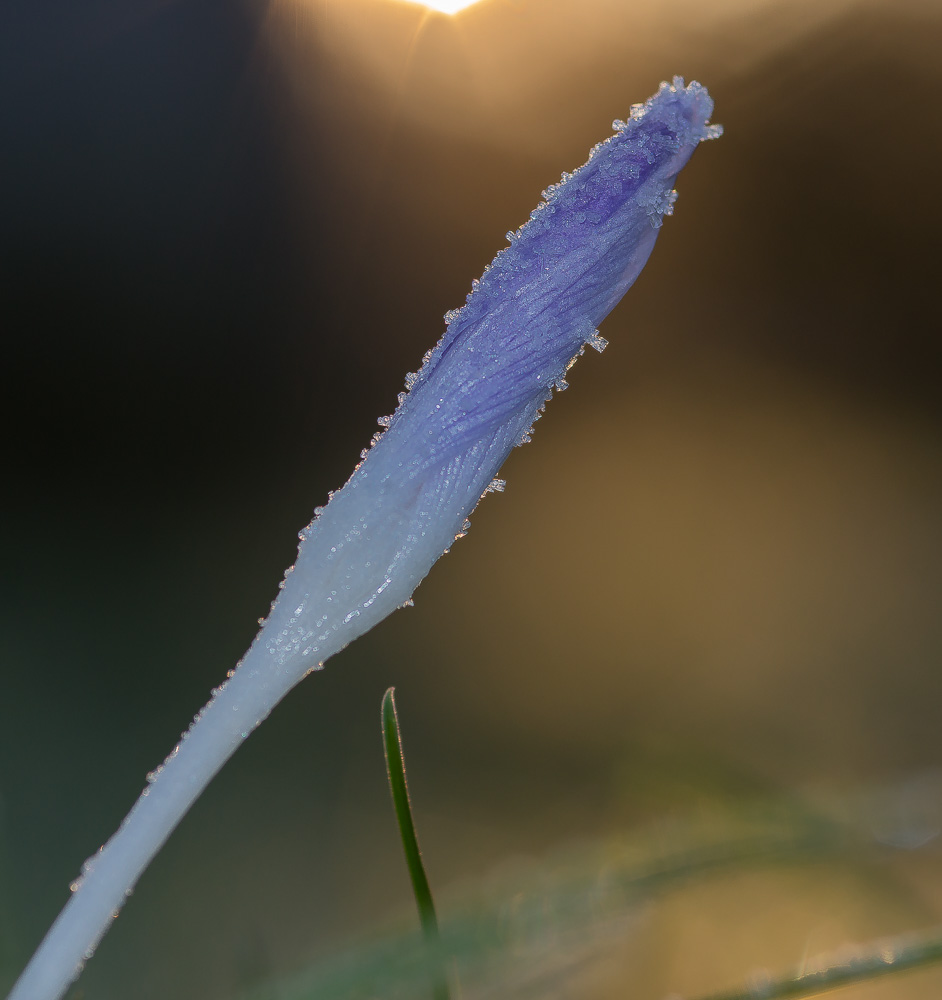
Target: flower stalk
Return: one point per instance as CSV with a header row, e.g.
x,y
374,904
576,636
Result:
x,y
476,396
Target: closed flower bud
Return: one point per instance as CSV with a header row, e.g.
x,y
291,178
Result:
x,y
482,387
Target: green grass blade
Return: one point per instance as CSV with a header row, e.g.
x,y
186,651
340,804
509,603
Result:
x,y
398,786
880,959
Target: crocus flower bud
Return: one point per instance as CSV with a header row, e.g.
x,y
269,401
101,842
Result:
x,y
475,397
482,387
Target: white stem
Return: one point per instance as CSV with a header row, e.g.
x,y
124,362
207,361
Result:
x,y
109,876
360,559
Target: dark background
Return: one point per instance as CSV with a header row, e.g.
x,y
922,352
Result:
x,y
229,229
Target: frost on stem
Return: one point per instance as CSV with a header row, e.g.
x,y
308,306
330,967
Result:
x,y
477,395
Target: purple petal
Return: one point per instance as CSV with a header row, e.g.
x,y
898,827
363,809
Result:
x,y
482,387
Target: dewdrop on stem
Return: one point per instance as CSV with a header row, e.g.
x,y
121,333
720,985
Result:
x,y
475,397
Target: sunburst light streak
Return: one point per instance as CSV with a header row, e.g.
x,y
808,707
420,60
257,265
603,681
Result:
x,y
445,6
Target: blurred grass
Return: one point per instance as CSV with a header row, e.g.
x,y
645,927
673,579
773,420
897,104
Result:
x,y
880,958
526,933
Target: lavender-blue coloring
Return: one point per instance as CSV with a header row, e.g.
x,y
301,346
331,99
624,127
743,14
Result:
x,y
482,387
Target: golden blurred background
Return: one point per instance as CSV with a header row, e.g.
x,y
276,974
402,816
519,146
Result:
x,y
230,229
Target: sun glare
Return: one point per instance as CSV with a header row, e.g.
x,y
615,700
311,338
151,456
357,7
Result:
x,y
445,6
